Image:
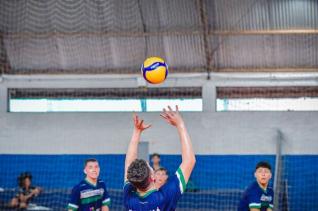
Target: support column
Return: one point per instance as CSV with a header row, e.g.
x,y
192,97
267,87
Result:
x,y
209,97
3,98
143,150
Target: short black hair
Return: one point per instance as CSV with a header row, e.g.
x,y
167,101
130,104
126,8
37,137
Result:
x,y
90,160
263,164
22,177
138,174
155,155
162,169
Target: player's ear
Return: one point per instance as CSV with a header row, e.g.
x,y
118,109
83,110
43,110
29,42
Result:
x,y
152,178
85,172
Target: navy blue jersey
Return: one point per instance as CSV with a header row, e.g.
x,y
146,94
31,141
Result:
x,y
165,198
256,197
88,197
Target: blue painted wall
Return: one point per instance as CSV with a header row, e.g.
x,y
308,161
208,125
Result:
x,y
213,172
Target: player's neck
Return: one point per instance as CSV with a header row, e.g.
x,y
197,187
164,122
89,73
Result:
x,y
263,186
156,166
149,188
93,181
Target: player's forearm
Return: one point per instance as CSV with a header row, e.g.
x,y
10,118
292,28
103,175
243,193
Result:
x,y
188,157
132,151
27,197
24,198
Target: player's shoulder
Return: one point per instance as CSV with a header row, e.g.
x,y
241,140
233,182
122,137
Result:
x,y
100,181
175,182
128,188
270,190
252,187
80,185
173,179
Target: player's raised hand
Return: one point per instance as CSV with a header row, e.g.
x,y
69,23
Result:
x,y
172,117
139,123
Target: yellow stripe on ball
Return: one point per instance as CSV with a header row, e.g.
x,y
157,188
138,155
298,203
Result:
x,y
149,61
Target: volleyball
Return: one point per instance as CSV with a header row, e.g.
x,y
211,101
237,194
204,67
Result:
x,y
154,70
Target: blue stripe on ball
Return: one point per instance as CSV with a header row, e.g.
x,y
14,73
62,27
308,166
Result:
x,y
154,66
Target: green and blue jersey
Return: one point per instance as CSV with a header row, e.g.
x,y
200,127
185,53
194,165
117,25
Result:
x,y
256,197
89,197
165,198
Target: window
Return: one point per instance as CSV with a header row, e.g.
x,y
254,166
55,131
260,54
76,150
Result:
x,y
267,99
104,100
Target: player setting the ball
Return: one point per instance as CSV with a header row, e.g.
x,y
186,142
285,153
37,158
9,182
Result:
x,y
140,192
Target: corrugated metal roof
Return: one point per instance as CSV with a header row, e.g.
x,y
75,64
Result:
x,y
64,36
262,14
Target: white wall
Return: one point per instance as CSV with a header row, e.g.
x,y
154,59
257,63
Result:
x,y
211,132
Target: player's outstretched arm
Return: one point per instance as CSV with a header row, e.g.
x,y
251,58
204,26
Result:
x,y
131,154
188,158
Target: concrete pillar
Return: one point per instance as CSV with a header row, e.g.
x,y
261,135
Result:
x,y
209,97
143,150
3,99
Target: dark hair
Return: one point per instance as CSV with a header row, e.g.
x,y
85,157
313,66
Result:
x,y
90,160
155,155
263,164
22,177
162,169
138,174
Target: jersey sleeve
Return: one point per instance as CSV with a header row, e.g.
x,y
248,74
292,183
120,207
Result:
x,y
271,203
175,186
75,199
253,200
106,199
128,188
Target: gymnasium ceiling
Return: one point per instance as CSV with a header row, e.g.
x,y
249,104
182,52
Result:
x,y
115,36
